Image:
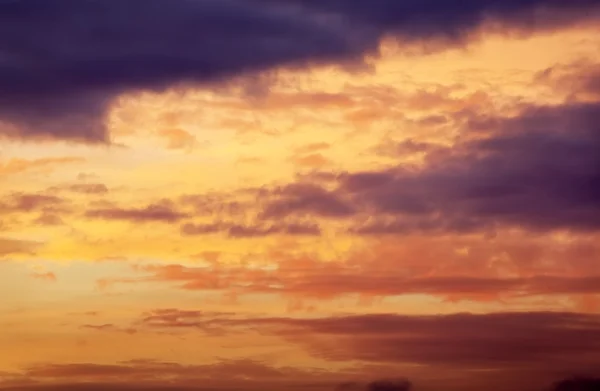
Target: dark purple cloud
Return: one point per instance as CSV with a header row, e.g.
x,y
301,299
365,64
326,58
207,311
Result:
x,y
59,84
539,170
305,199
62,62
418,19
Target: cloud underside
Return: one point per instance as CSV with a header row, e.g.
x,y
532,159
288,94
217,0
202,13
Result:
x,y
60,85
153,376
539,170
313,279
512,342
530,349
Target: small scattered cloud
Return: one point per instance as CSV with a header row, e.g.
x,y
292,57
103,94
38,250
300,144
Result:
x,y
251,231
157,212
47,276
178,139
16,166
16,246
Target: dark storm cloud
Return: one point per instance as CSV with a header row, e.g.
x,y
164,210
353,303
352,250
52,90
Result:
x,y
62,62
418,19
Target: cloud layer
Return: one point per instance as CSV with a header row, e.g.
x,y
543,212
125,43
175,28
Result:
x,y
60,85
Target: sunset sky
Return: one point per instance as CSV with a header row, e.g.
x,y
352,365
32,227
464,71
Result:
x,y
309,195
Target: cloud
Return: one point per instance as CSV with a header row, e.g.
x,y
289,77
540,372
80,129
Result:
x,y
305,199
238,231
47,276
571,384
149,370
313,279
433,19
178,139
316,160
579,81
62,84
141,375
103,386
87,188
537,170
210,322
160,212
251,231
16,166
538,344
49,219
524,341
30,202
109,327
14,246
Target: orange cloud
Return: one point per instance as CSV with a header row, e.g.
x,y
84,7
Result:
x,y
15,166
177,138
320,280
538,345
48,276
251,231
159,212
14,246
163,376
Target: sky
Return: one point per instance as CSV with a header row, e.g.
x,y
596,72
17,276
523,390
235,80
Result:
x,y
311,195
